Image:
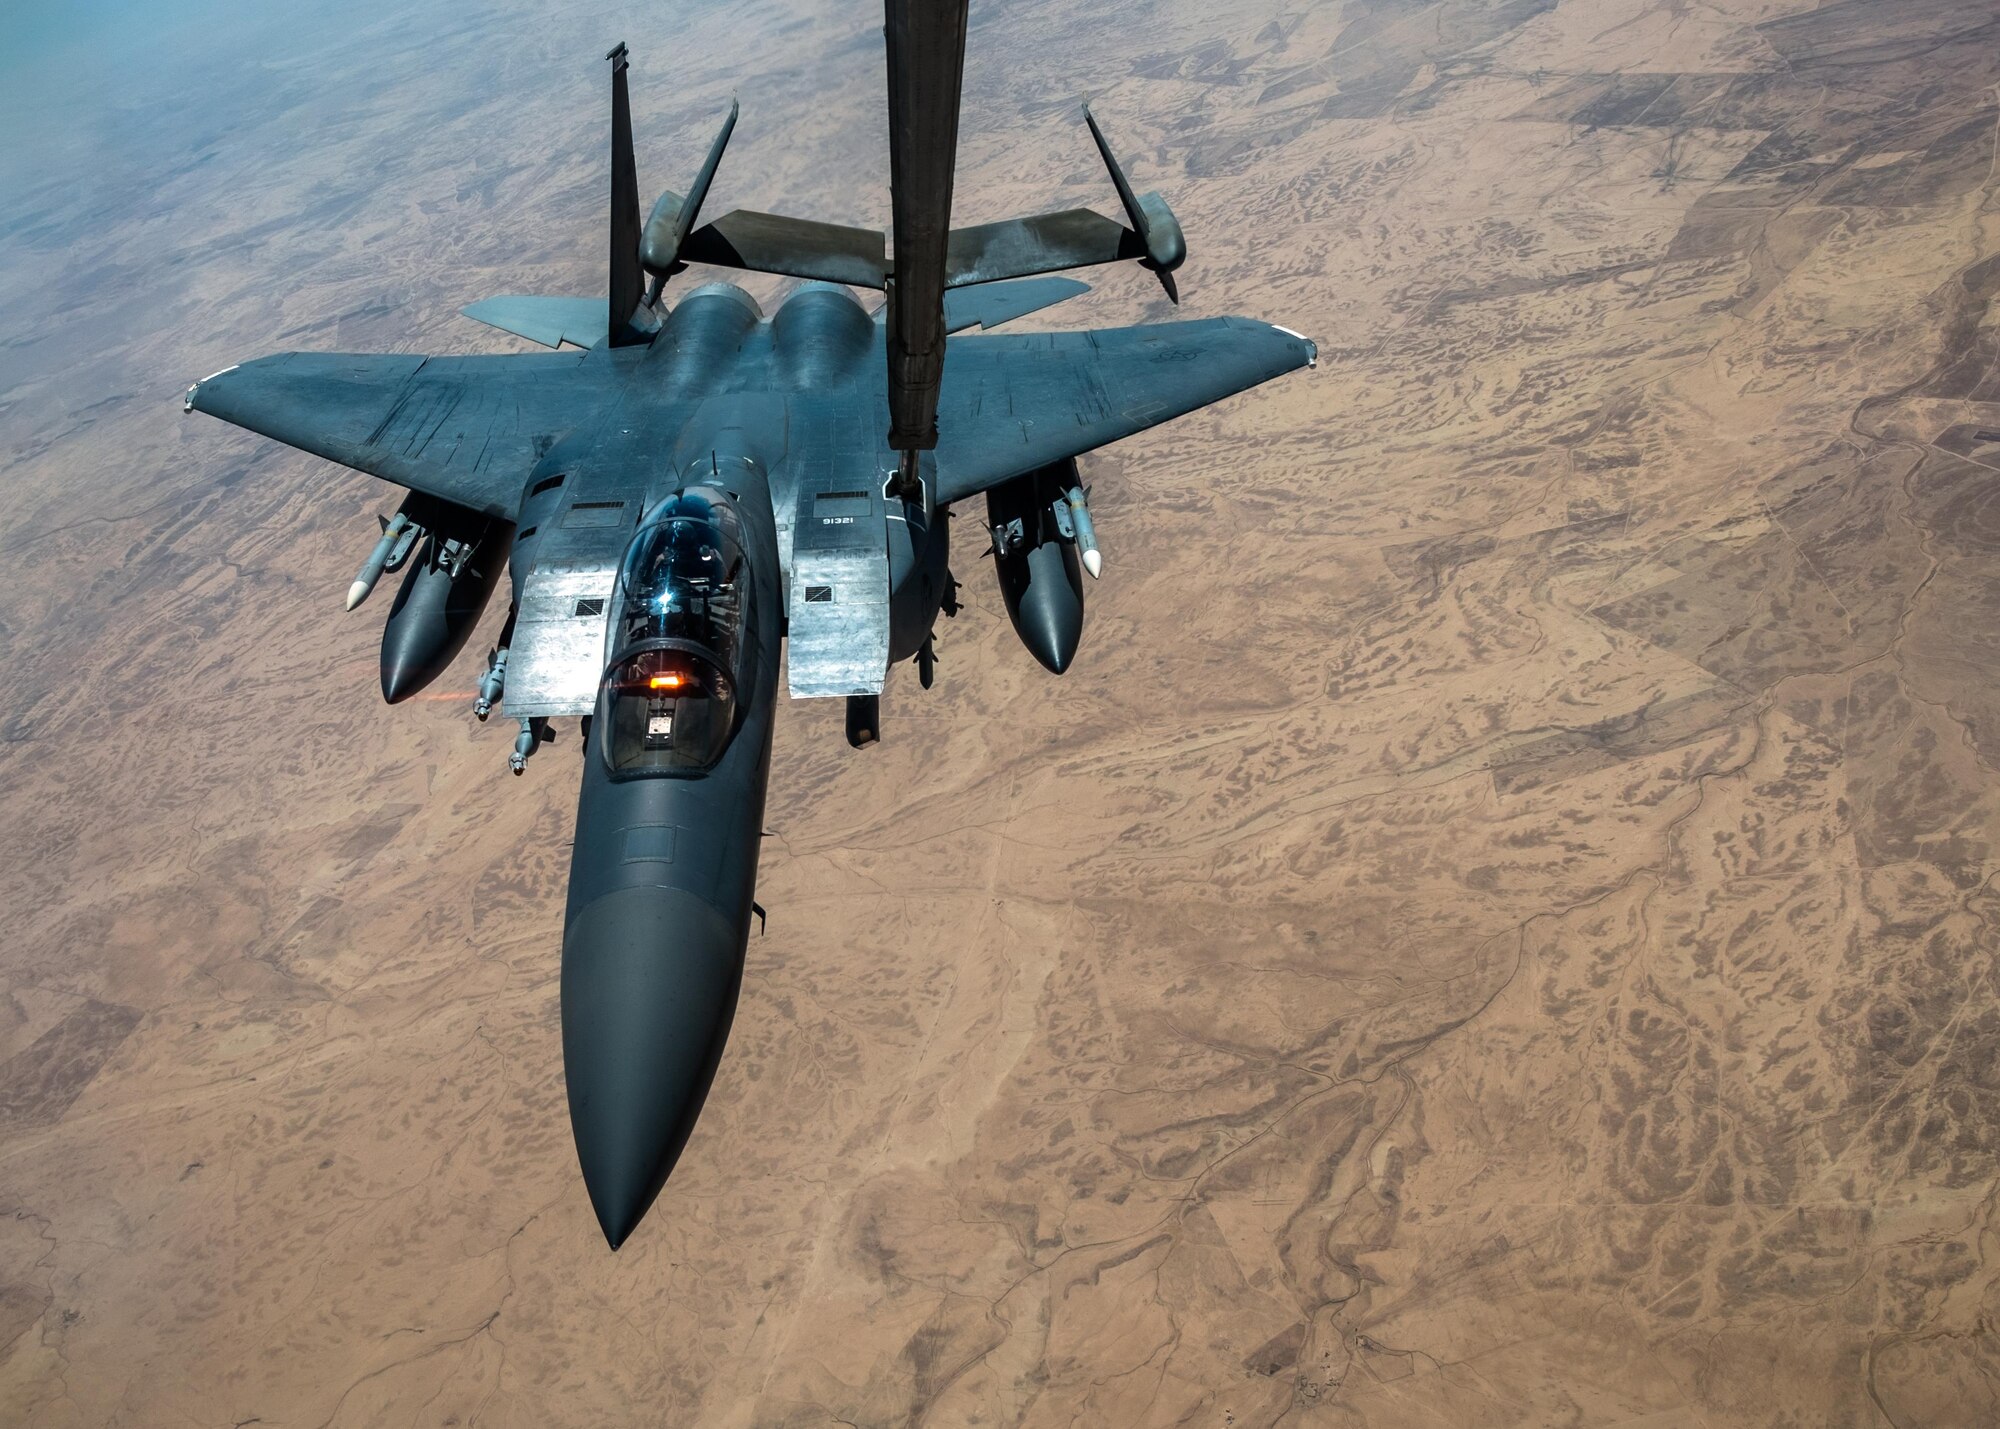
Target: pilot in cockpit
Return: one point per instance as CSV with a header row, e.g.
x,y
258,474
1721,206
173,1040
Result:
x,y
670,697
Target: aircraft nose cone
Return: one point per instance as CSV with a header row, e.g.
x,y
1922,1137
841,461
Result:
x,y
620,1195
650,977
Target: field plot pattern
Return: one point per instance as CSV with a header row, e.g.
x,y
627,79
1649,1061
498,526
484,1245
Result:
x,y
1498,927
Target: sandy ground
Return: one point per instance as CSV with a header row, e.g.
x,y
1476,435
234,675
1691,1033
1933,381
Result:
x,y
1496,929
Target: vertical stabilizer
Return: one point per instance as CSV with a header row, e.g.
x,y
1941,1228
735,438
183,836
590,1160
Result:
x,y
628,324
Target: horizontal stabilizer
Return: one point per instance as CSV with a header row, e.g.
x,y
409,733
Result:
x,y
580,322
858,257
992,304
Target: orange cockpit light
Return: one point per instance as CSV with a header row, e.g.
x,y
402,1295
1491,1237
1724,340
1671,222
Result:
x,y
672,680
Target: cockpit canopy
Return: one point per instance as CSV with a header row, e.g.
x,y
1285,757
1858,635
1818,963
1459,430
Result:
x,y
666,710
669,699
683,578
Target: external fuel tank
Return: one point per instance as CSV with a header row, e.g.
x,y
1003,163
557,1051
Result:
x,y
1041,579
449,580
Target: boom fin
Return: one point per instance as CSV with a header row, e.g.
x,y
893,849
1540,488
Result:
x,y
925,43
1159,231
628,321
673,216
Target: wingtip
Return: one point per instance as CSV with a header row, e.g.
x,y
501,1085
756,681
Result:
x,y
1312,348
194,389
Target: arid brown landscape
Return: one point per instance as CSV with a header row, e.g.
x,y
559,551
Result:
x,y
1497,928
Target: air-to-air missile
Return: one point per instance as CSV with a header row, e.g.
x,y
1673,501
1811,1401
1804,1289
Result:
x,y
398,538
1080,528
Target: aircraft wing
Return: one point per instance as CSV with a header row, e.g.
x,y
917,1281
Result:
x,y
1012,402
464,429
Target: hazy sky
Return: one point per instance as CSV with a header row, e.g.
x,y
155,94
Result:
x,y
30,32
37,33
74,77
86,82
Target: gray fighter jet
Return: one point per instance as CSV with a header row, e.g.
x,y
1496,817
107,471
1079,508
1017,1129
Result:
x,y
677,489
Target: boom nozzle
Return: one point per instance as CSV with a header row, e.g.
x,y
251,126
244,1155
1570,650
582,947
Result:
x,y
864,720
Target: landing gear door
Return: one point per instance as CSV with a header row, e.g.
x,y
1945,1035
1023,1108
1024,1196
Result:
x,y
837,607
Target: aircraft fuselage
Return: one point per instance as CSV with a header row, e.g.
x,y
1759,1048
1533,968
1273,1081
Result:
x,y
663,870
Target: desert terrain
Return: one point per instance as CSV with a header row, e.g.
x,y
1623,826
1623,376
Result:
x,y
1497,928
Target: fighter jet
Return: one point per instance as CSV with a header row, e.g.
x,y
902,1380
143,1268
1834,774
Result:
x,y
681,487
